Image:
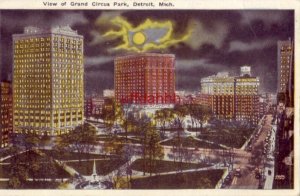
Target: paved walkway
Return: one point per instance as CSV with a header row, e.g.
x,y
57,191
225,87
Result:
x,y
39,179
140,173
271,162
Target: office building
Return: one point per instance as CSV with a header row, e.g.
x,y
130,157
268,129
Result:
x,y
48,95
6,113
232,97
285,67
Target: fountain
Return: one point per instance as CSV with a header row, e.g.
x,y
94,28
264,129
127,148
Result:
x,y
94,181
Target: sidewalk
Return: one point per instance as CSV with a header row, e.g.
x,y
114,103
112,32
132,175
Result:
x,y
270,178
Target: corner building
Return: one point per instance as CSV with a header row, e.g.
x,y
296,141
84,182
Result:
x,y
48,95
145,79
233,97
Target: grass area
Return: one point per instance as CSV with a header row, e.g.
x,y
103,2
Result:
x,y
199,130
120,139
191,142
72,155
24,156
4,153
41,172
103,166
33,185
165,166
42,167
190,180
228,134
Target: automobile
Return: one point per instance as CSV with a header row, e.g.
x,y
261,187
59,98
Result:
x,y
237,172
270,159
257,173
228,179
249,148
269,172
257,176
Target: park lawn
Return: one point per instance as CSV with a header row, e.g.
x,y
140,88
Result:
x,y
24,156
120,139
57,172
161,166
189,180
190,142
4,153
33,185
229,136
41,172
103,166
73,155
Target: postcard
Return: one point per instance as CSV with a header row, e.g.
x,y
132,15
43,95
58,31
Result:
x,y
151,97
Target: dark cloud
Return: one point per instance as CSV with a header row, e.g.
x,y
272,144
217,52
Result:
x,y
222,41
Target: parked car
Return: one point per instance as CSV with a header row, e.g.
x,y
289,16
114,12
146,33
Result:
x,y
237,172
249,148
228,179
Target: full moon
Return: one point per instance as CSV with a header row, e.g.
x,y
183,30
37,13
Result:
x,y
139,38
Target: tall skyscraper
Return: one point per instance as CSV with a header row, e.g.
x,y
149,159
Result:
x,y
6,114
48,95
145,79
284,64
233,98
285,67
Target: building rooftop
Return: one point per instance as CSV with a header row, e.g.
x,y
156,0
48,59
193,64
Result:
x,y
32,30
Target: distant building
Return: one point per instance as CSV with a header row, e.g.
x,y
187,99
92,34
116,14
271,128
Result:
x,y
203,99
245,71
88,107
263,106
183,97
232,98
95,104
6,113
246,98
145,79
220,88
109,93
285,67
48,94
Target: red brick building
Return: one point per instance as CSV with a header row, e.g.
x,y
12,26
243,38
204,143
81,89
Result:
x,y
146,78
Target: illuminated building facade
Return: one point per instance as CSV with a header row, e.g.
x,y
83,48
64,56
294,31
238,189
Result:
x,y
246,99
6,114
108,93
232,98
93,106
145,79
48,95
220,88
285,67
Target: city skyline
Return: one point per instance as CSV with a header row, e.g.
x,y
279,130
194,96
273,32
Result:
x,y
232,39
147,99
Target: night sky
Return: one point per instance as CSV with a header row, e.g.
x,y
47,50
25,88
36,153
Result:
x,y
221,41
